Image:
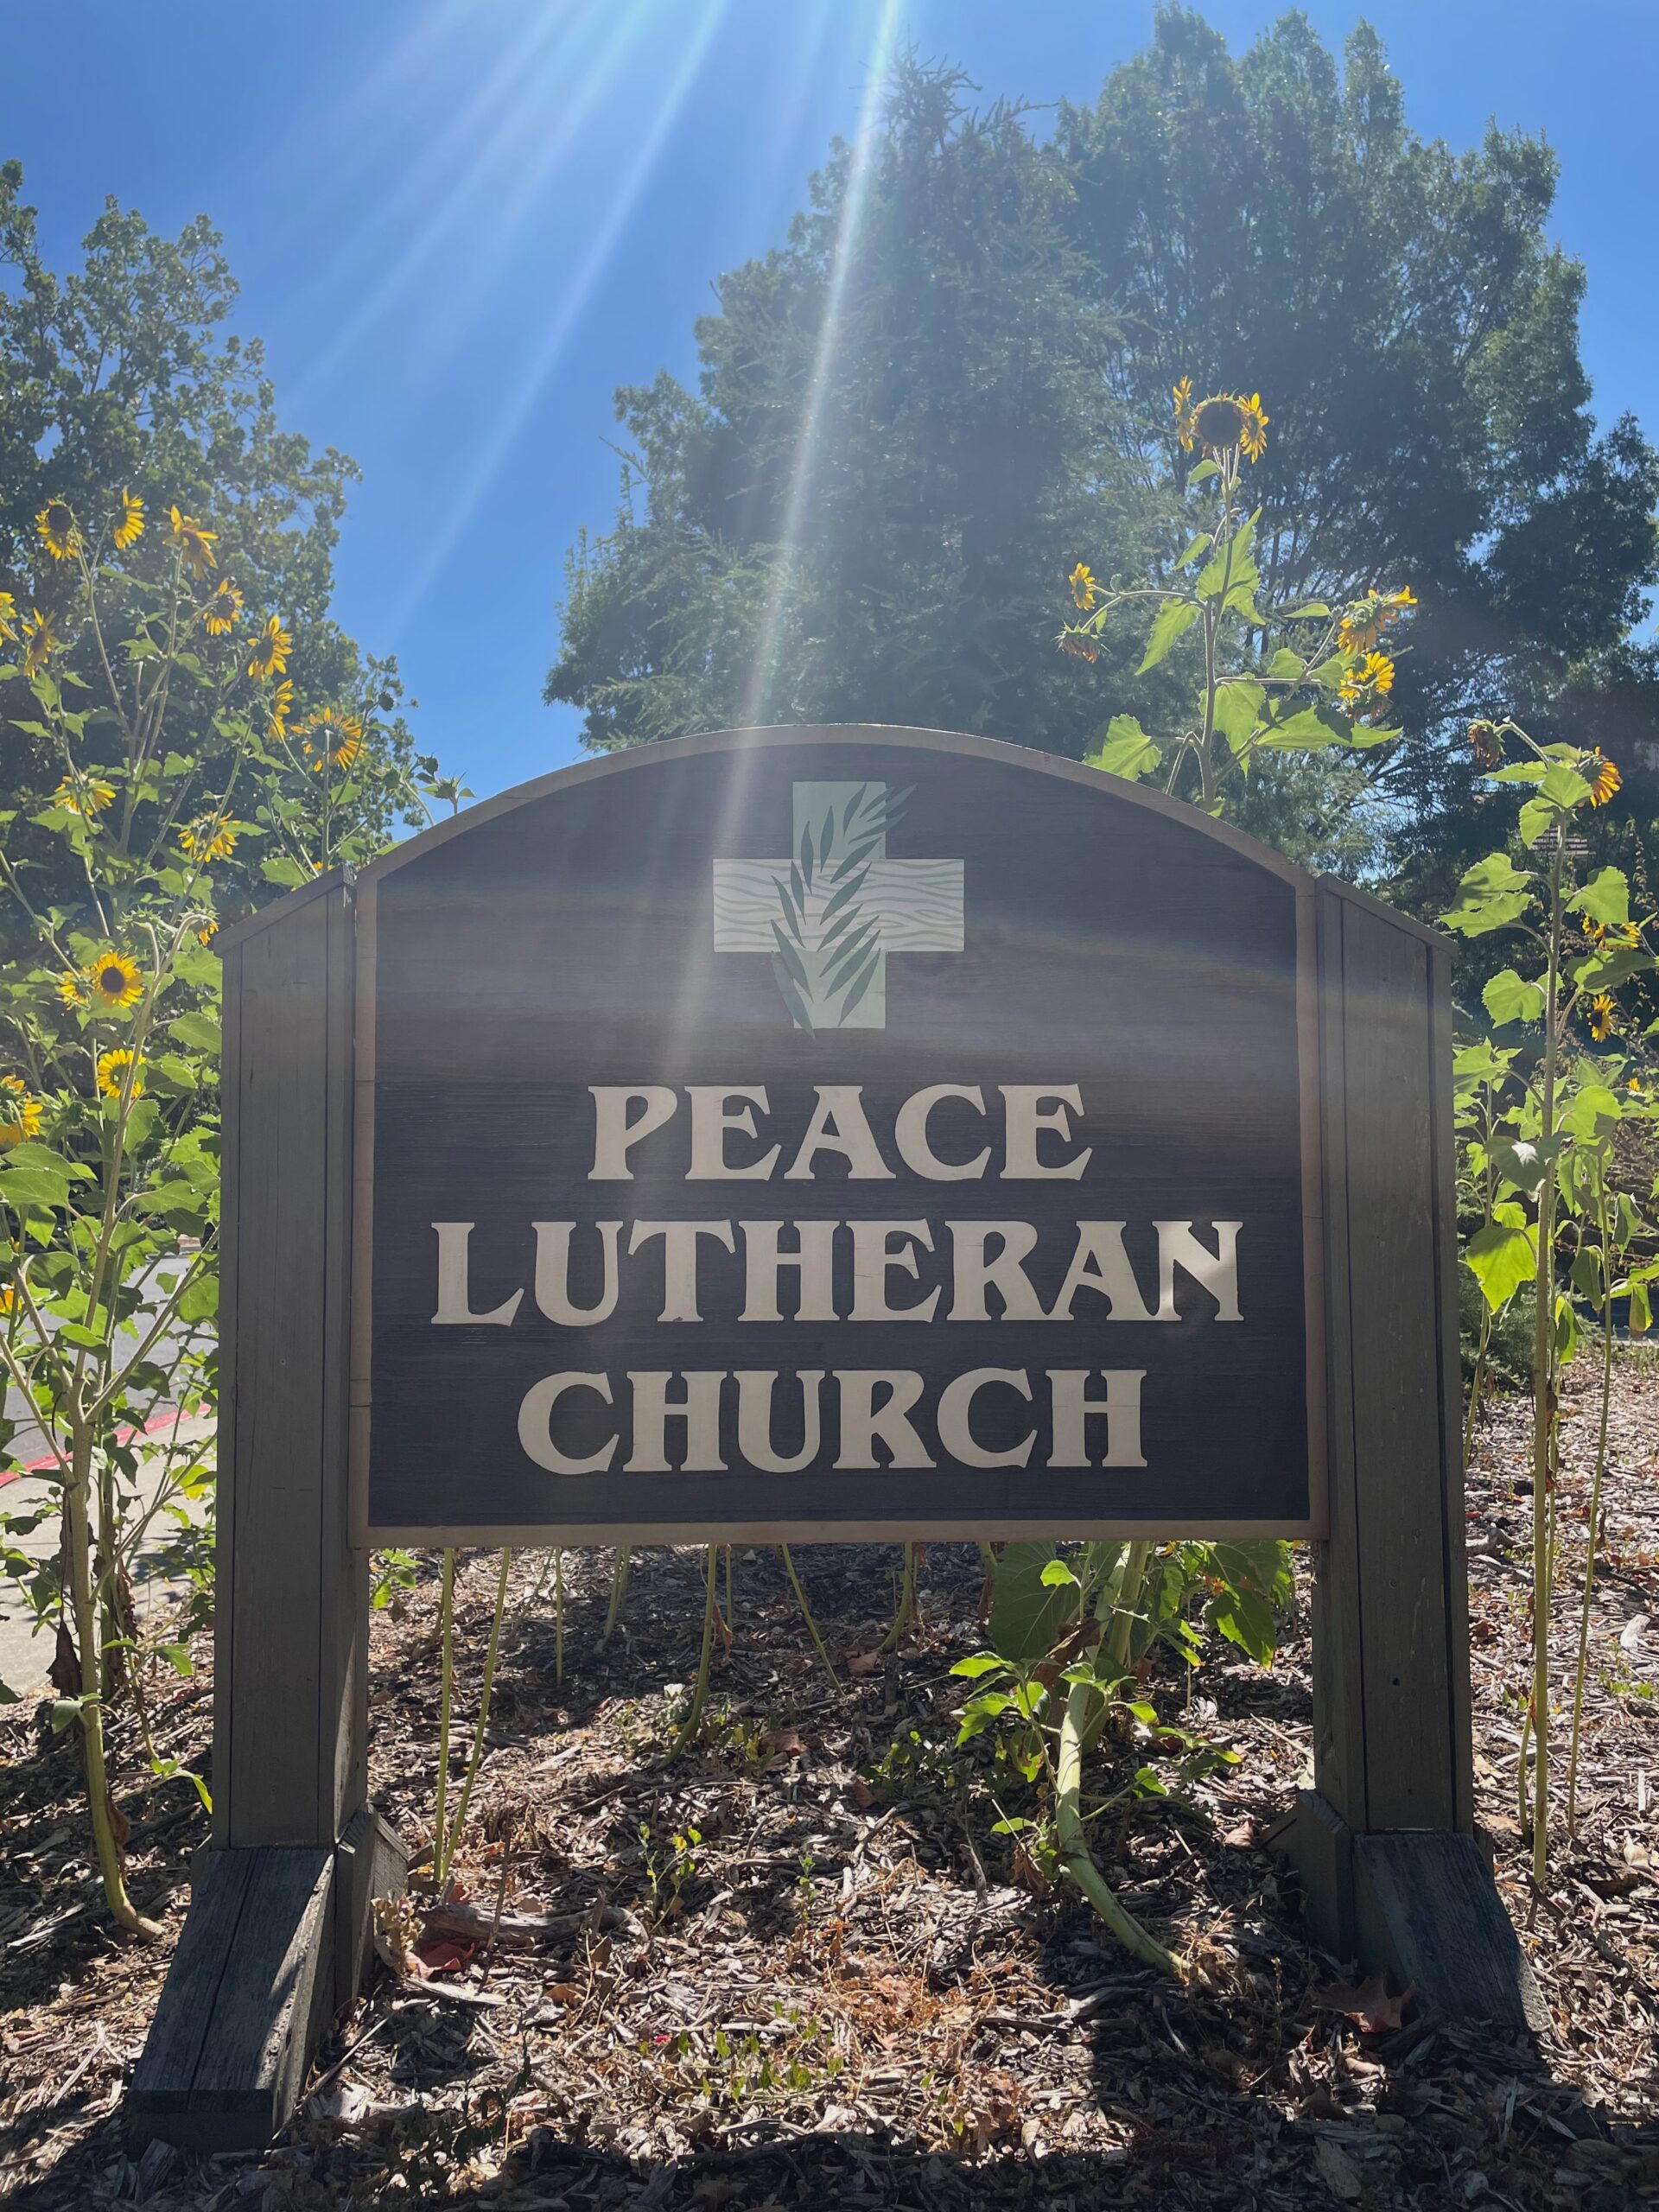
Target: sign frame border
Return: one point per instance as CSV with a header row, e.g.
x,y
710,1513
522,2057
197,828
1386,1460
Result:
x,y
899,1527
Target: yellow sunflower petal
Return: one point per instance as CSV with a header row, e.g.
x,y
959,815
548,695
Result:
x,y
57,530
115,980
129,525
113,1072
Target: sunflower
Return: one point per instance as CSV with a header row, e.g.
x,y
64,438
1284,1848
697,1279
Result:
x,y
1221,422
112,1069
1594,931
1603,1013
1636,1084
87,797
8,618
1604,779
115,979
218,616
56,529
1486,745
1084,588
195,542
270,654
206,936
1078,647
20,1114
209,839
41,641
1369,615
72,990
7,1297
129,525
1370,682
339,737
282,706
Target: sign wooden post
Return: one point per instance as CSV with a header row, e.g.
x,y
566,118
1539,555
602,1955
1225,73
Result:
x,y
824,1133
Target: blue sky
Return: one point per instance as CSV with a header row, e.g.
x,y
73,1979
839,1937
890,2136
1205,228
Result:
x,y
459,223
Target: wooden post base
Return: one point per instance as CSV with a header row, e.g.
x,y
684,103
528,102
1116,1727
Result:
x,y
276,1944
1421,1906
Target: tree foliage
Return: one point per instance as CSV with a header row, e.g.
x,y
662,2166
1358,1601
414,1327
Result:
x,y
904,418
893,458
119,377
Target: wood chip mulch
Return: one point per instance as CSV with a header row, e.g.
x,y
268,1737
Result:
x,y
799,1967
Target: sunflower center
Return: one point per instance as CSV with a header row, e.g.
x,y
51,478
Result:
x,y
1220,423
113,979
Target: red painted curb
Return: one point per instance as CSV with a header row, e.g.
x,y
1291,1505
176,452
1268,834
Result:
x,y
168,1419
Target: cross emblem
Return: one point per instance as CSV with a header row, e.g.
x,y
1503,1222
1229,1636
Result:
x,y
831,913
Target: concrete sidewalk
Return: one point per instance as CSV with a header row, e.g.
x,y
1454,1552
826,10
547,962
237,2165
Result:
x,y
25,1653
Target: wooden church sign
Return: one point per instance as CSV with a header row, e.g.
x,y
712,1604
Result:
x,y
823,1133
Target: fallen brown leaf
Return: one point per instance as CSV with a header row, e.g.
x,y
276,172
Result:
x,y
1368,2002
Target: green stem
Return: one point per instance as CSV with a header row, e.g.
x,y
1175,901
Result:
x,y
907,1614
806,1615
689,1726
1595,1517
619,1591
445,1696
1543,1389
475,1756
1126,1613
1075,1855
1477,1380
77,1514
558,1613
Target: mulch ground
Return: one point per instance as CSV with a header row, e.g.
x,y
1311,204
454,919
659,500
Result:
x,y
797,1966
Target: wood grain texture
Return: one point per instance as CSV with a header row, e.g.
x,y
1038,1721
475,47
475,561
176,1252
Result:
x,y
291,1718
247,1993
164,2078
1338,1705
370,1861
1398,1438
1426,1910
1454,1516
1390,1636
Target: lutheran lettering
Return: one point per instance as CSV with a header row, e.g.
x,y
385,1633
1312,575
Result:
x,y
847,1270
980,1258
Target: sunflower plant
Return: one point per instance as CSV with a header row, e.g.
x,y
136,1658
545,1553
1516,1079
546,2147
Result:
x,y
108,1059
1542,1094
1301,679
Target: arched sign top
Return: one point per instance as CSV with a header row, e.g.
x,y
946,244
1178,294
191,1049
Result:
x,y
845,1130
995,752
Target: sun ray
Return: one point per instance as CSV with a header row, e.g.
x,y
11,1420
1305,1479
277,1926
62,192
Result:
x,y
842,255
483,177
509,418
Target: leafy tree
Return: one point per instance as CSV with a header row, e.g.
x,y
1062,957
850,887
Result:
x,y
905,430
991,403
1271,221
118,378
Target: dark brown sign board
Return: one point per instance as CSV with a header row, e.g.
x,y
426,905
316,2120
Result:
x,y
825,1133
865,1133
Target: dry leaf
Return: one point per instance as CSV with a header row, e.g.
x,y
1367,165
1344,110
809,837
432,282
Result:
x,y
863,1663
1368,2002
562,1992
860,1792
1339,2172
